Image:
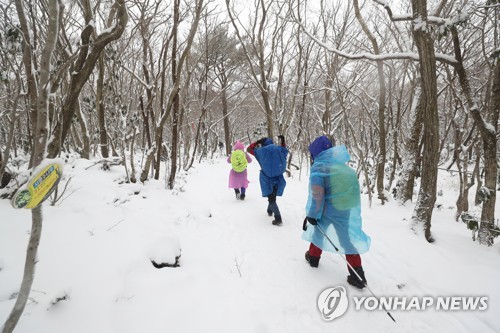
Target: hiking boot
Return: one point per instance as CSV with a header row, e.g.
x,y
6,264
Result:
x,y
277,223
313,261
277,220
353,279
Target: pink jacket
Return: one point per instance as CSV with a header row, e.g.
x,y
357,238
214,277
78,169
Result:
x,y
238,179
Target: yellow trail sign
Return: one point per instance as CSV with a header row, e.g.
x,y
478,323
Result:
x,y
38,189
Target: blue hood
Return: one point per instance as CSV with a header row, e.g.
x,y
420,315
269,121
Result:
x,y
319,145
267,142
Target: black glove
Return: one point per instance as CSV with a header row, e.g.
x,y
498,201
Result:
x,y
281,140
312,220
260,142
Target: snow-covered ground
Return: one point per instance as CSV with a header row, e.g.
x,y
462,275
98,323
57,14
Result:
x,y
238,273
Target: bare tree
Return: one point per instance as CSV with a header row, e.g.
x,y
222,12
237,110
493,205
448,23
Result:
x,y
428,103
55,7
174,94
83,67
381,107
103,133
422,215
488,132
259,54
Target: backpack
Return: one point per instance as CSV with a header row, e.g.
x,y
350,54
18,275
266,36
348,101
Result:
x,y
239,160
344,187
272,160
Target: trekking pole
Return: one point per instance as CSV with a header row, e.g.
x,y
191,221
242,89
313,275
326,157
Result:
x,y
353,270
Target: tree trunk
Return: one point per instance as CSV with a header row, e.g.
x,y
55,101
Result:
x,y
477,175
145,120
406,182
39,151
490,161
174,94
132,164
175,104
381,108
99,101
9,136
422,214
149,159
462,160
84,130
488,133
29,63
227,138
29,271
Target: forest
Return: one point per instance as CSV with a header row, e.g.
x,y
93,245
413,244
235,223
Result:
x,y
410,87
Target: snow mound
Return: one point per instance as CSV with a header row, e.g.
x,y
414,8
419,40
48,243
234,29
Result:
x,y
165,252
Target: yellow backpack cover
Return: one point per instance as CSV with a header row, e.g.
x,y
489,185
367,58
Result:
x,y
239,160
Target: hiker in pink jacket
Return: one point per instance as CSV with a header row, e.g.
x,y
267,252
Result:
x,y
238,176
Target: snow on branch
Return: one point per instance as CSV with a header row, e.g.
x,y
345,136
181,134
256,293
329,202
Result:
x,y
408,17
393,17
484,125
490,5
376,57
147,86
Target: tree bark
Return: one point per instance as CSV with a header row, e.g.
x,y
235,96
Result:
x,y
175,103
488,133
133,179
406,182
223,97
39,151
84,130
175,91
488,136
29,65
99,101
422,214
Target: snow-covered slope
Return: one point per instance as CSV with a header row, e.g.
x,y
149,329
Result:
x,y
238,273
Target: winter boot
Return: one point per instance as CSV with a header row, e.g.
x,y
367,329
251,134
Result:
x,y
313,261
269,212
277,220
238,195
353,279
242,196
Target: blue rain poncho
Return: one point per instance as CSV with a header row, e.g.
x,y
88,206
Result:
x,y
272,160
334,200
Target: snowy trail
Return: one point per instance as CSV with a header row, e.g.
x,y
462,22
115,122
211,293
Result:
x,y
260,260
238,273
272,287
268,282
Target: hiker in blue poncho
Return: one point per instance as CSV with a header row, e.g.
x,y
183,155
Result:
x,y
272,160
334,204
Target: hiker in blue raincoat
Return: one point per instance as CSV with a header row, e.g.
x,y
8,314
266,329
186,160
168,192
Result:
x,y
334,203
272,160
